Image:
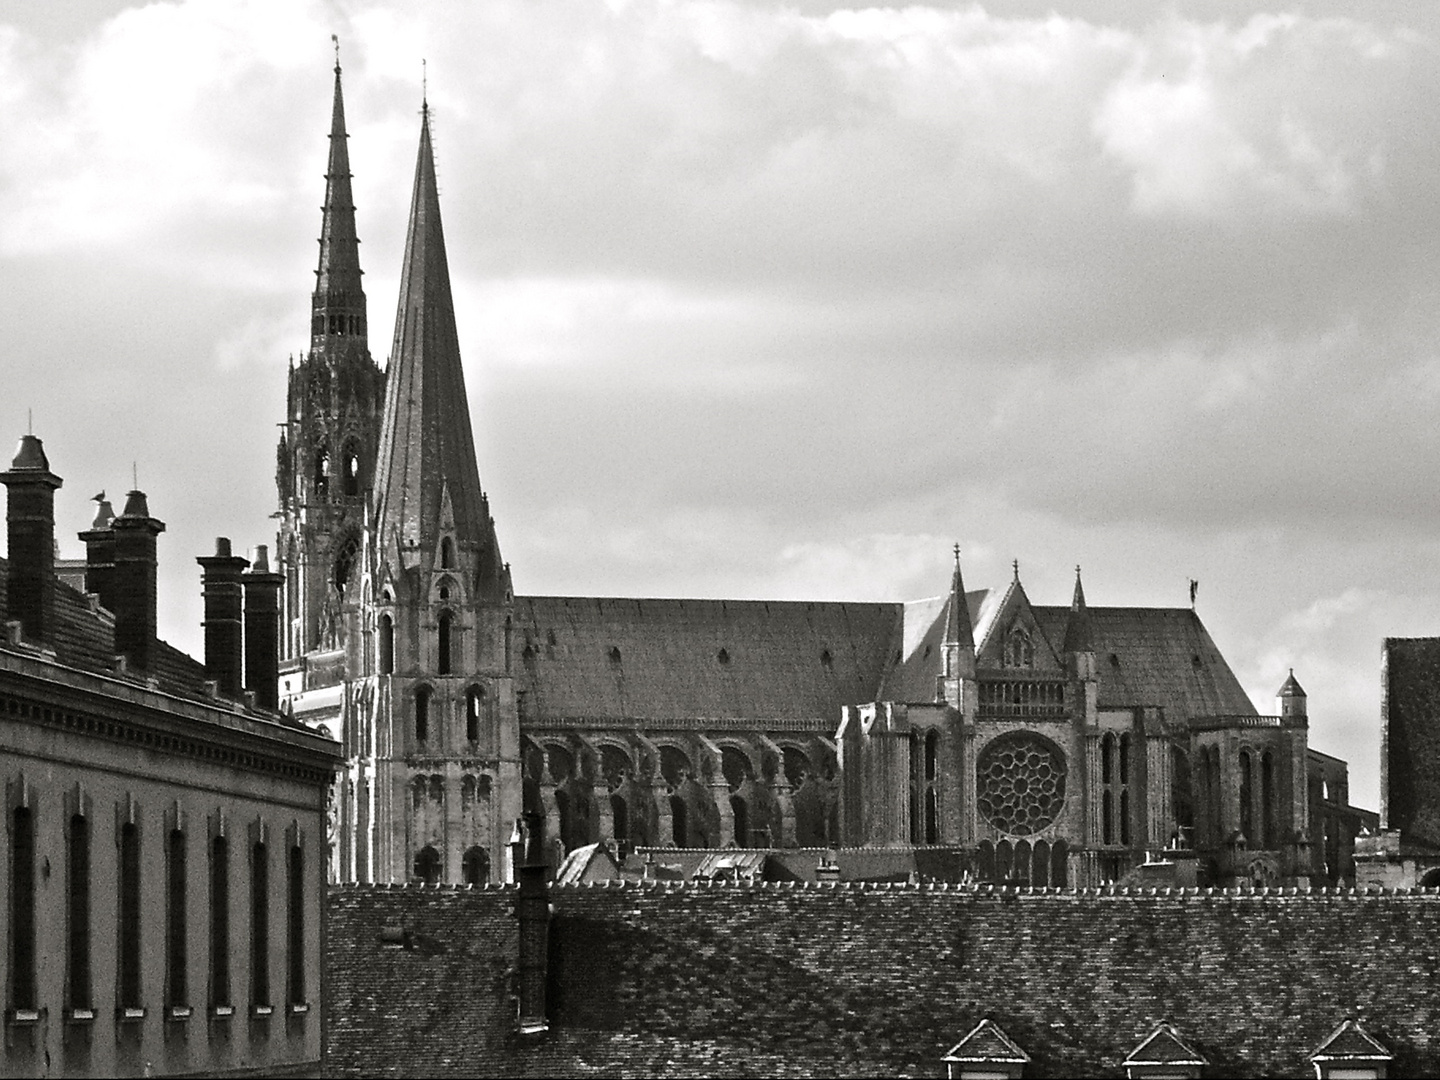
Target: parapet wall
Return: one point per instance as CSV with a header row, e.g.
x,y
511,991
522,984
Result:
x,y
796,980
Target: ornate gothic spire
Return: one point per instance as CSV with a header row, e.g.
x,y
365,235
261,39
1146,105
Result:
x,y
426,462
338,309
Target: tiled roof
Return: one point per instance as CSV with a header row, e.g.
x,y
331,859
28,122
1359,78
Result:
x,y
84,638
1143,656
1157,657
621,659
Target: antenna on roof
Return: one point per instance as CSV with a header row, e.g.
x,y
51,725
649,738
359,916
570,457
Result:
x,y
134,476
29,421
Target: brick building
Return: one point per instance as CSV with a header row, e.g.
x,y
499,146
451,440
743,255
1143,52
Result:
x,y
163,860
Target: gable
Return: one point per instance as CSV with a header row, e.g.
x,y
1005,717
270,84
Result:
x,y
1014,638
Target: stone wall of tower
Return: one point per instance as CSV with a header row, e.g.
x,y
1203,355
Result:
x,y
446,752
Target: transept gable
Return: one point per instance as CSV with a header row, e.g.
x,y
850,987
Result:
x,y
1012,638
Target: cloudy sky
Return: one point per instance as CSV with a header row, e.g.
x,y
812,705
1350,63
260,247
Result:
x,y
782,300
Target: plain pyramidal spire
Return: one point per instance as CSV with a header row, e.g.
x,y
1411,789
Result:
x,y
339,301
1078,638
427,448
957,622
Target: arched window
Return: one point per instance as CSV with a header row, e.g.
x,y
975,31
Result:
x,y
742,821
1040,861
1267,797
475,866
22,910
677,821
350,471
932,817
1058,859
1124,774
442,650
1247,796
322,472
474,703
345,563
1107,781
427,865
447,553
1004,855
422,714
387,645
985,871
932,754
619,818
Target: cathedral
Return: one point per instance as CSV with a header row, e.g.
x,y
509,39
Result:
x,y
1054,745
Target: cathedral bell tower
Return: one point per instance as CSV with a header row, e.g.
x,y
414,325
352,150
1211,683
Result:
x,y
440,762
326,456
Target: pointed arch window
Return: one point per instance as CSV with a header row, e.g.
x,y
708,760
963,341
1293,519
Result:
x,y
322,472
350,470
422,714
387,645
1019,649
475,866
443,643
474,705
295,937
1247,797
427,865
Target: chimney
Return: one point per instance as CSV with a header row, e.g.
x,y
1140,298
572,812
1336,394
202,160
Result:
x,y
134,580
262,631
220,584
30,519
533,909
100,553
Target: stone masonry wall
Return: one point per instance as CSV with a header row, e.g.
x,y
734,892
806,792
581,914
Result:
x,y
783,980
1410,756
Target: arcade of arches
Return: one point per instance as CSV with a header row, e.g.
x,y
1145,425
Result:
x,y
687,790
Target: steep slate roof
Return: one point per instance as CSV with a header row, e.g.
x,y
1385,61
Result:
x,y
1163,656
1157,656
653,660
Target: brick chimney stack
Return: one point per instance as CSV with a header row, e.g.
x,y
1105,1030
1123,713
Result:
x,y
30,521
262,631
100,553
220,583
134,580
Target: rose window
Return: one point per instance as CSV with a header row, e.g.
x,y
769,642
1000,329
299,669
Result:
x,y
1020,783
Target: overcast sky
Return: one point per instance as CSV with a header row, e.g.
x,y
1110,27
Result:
x,y
763,300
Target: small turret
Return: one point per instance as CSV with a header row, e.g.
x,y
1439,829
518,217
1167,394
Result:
x,y
1290,698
